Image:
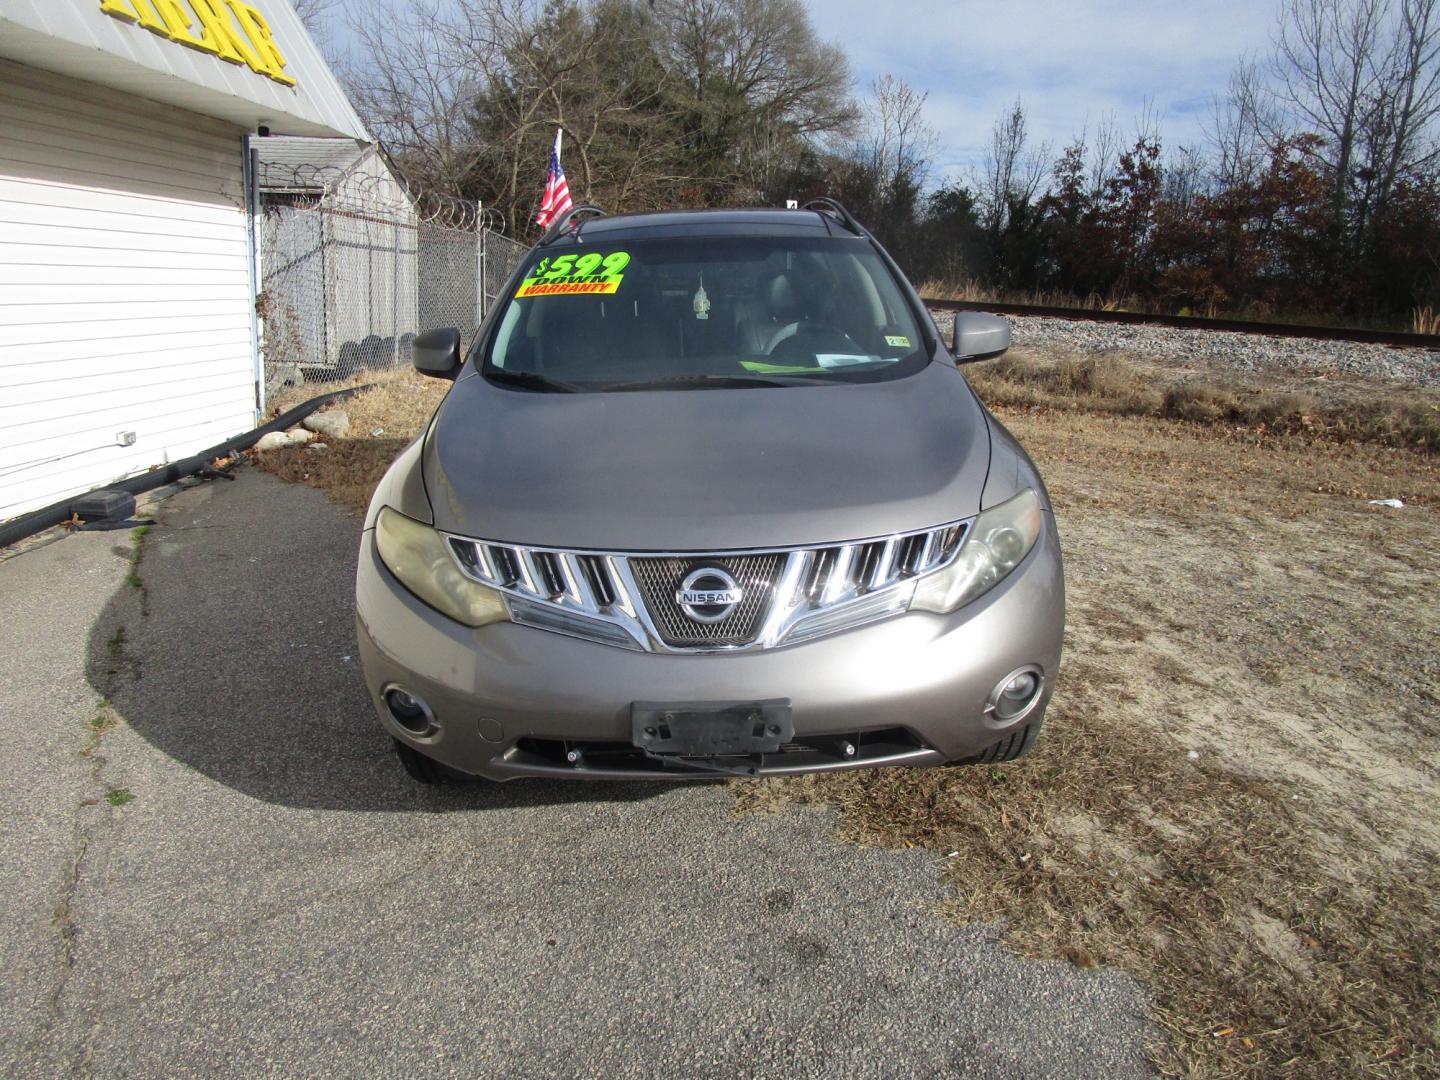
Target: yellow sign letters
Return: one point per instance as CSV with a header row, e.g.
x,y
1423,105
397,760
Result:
x,y
230,29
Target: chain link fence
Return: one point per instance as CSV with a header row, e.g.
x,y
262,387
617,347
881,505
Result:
x,y
353,267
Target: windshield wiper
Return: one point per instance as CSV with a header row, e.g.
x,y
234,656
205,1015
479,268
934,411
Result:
x,y
697,382
530,380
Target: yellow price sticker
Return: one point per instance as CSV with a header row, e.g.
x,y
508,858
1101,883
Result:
x,y
576,275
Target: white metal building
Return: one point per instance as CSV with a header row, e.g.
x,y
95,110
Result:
x,y
128,333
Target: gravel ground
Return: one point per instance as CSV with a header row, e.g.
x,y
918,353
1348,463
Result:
x,y
1244,352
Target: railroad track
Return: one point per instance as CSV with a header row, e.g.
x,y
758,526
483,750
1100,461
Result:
x,y
1186,322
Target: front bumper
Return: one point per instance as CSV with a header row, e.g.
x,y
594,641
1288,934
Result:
x,y
500,691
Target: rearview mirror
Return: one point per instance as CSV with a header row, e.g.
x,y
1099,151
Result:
x,y
979,336
437,353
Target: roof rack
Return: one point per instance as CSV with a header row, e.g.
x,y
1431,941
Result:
x,y
566,219
830,206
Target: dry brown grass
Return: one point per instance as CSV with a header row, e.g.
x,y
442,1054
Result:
x,y
976,292
1233,595
1109,383
1423,320
383,420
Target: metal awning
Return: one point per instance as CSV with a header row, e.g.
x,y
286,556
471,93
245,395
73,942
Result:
x,y
108,42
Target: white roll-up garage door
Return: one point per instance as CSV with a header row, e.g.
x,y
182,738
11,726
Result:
x,y
125,297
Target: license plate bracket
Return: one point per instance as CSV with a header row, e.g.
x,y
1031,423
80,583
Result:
x,y
711,729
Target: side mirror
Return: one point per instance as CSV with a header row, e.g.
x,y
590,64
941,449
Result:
x,y
979,336
437,353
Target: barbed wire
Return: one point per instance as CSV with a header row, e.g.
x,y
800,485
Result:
x,y
387,193
356,261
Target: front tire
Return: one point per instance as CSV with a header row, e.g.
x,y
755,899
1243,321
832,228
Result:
x,y
422,769
1013,745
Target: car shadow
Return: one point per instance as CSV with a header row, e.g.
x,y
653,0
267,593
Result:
x,y
231,648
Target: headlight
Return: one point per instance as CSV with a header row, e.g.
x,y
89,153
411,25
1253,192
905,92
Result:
x,y
1000,538
417,555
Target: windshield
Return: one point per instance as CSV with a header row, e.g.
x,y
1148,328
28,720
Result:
x,y
701,312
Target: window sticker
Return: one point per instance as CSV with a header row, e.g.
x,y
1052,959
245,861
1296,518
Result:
x,y
898,341
571,275
824,362
839,360
761,367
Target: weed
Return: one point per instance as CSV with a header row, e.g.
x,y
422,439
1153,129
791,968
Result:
x,y
119,796
137,556
102,722
400,403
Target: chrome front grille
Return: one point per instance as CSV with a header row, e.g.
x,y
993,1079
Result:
x,y
789,594
660,578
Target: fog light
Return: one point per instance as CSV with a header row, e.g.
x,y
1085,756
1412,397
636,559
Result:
x,y
409,711
1020,687
1016,694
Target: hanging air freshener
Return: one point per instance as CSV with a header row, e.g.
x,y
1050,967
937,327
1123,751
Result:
x,y
701,302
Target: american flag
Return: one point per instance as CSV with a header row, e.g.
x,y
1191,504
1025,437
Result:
x,y
557,192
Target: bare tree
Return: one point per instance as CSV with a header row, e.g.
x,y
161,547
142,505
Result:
x,y
1104,154
1147,121
1400,133
1364,75
1013,172
880,172
314,13
1325,64
1242,127
420,110
1182,180
897,142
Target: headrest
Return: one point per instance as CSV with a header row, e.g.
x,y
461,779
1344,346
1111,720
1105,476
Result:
x,y
782,294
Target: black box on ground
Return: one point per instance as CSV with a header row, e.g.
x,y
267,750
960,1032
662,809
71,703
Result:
x,y
104,504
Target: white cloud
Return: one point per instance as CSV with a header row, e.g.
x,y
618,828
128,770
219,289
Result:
x,y
1071,62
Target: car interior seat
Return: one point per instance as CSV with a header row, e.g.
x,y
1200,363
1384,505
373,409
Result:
x,y
755,333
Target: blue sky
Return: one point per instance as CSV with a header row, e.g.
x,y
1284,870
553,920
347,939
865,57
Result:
x,y
1071,61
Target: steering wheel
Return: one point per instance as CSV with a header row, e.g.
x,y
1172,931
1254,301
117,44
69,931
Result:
x,y
806,340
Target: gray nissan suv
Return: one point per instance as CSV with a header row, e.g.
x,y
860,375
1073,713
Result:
x,y
709,496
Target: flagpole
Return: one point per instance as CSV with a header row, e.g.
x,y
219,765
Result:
x,y
557,192
559,132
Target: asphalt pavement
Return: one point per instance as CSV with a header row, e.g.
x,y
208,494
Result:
x,y
237,879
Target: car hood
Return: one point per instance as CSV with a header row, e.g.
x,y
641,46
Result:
x,y
697,470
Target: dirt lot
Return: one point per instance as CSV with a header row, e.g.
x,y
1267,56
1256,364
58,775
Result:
x,y
1235,797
